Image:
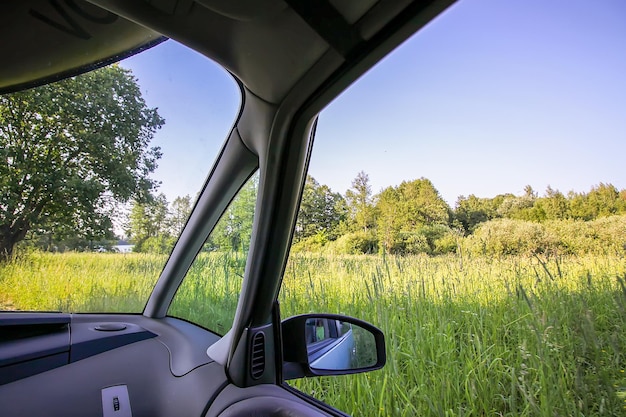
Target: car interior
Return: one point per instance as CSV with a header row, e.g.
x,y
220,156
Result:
x,y
290,59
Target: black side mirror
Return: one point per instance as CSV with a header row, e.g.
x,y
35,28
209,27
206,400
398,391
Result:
x,y
330,344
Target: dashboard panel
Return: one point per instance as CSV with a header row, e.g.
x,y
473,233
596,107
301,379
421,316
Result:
x,y
60,364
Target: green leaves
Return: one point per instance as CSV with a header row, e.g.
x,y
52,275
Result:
x,y
407,213
321,211
70,149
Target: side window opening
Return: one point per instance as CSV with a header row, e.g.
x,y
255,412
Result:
x,y
209,293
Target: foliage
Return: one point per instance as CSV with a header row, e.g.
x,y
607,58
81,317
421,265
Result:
x,y
601,201
69,151
471,211
234,230
315,243
361,203
321,211
155,225
180,210
354,243
148,220
572,237
554,205
510,237
403,210
161,244
605,235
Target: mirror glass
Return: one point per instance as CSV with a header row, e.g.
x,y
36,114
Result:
x,y
338,345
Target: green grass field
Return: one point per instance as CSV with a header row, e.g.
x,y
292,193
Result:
x,y
465,336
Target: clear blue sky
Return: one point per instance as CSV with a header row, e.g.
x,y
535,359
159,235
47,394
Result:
x,y
491,96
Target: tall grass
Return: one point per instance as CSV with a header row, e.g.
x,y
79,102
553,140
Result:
x,y
85,282
475,336
466,336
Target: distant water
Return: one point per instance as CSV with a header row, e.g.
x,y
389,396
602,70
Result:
x,y
123,248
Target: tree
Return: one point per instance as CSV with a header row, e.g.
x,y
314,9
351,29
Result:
x,y
601,201
406,214
179,212
70,150
554,205
234,229
471,211
148,220
321,211
360,203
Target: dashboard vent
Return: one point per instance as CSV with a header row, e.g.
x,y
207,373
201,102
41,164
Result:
x,y
257,360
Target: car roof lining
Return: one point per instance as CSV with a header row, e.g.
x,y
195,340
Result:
x,y
44,41
267,44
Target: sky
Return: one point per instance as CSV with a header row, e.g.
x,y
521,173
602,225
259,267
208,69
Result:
x,y
490,97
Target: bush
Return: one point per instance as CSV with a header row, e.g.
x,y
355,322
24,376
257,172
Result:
x,y
510,237
606,235
315,243
448,243
356,243
435,239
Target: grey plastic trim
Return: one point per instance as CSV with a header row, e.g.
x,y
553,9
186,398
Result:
x,y
26,318
219,350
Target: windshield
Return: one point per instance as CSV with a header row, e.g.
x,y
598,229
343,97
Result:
x,y
99,174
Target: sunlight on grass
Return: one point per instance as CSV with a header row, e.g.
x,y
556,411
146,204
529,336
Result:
x,y
466,336
83,282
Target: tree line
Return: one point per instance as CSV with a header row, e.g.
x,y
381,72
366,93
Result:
x,y
413,218
410,218
72,153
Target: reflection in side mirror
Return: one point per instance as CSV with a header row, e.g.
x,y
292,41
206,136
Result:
x,y
329,344
337,345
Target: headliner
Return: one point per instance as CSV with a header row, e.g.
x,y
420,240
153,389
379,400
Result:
x,y
268,44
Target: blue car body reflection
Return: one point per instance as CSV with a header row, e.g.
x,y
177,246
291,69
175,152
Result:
x,y
330,344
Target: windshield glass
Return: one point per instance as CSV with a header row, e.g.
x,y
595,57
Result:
x,y
99,174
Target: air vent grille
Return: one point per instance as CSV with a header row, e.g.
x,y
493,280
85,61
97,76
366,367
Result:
x,y
257,360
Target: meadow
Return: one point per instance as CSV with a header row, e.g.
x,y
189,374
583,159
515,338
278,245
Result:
x,y
466,335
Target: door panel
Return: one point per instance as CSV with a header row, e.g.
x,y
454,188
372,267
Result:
x,y
262,400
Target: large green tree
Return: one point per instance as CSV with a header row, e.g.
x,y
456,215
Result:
x,y
70,150
321,211
601,201
179,212
148,220
361,203
406,214
471,211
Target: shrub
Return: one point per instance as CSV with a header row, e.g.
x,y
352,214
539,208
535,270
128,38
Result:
x,y
606,235
354,243
602,236
314,243
511,237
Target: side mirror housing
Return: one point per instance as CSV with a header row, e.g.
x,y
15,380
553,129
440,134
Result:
x,y
330,344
